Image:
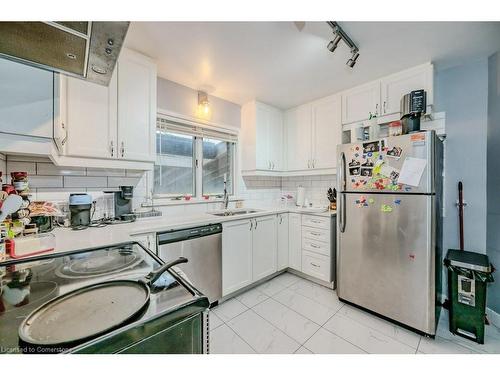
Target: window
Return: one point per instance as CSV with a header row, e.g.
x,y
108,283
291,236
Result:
x,y
192,161
174,167
218,159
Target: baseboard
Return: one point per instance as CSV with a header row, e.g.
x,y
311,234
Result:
x,y
493,317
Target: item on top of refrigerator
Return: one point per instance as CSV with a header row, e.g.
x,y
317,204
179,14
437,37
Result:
x,y
395,128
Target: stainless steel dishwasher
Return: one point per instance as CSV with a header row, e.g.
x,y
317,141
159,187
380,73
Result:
x,y
202,246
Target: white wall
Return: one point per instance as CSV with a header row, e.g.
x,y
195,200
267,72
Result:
x,y
462,92
184,100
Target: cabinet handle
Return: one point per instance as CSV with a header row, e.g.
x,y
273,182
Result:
x,y
251,224
123,149
315,221
385,103
281,219
273,164
255,224
376,109
314,163
63,141
315,265
315,246
308,164
315,234
112,149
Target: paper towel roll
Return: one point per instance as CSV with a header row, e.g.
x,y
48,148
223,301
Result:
x,y
301,193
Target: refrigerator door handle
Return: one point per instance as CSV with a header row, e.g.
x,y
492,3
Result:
x,y
343,187
343,184
342,214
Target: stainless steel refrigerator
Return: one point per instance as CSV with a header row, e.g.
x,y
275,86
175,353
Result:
x,y
389,227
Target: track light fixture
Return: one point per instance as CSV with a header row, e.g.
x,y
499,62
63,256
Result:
x,y
341,35
352,61
332,46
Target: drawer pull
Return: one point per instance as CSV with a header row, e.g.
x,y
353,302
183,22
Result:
x,y
316,221
315,265
315,246
315,234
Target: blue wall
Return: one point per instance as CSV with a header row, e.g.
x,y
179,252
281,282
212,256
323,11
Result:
x,y
462,92
493,167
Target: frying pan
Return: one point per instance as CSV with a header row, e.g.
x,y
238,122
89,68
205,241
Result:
x,y
88,312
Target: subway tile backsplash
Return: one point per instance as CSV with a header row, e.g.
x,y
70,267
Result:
x,y
50,182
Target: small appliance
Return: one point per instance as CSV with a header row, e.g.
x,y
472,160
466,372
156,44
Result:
x,y
413,106
123,202
79,206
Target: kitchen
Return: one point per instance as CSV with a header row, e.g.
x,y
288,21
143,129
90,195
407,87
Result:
x,y
214,204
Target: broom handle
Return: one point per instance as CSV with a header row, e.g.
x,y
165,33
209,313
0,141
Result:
x,y
461,213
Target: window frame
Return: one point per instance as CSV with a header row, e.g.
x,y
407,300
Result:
x,y
198,167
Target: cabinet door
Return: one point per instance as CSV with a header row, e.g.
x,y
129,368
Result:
x,y
236,255
298,138
264,247
295,242
262,126
26,100
89,117
275,139
397,85
359,102
326,132
282,225
136,107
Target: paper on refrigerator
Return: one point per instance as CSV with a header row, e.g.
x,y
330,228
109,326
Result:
x,y
412,171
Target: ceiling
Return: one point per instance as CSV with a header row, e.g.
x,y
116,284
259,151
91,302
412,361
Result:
x,y
277,64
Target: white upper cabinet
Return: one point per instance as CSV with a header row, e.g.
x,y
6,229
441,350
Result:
x,y
26,100
136,106
399,84
298,138
358,103
326,132
261,138
87,126
115,122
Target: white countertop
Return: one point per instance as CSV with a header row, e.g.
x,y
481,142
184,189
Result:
x,y
68,239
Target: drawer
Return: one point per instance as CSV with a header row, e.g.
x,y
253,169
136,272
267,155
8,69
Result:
x,y
316,265
316,234
316,246
316,221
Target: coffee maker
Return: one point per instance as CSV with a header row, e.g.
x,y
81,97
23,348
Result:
x,y
80,205
123,203
413,106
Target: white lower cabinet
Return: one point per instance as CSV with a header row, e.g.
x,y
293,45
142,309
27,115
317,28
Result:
x,y
282,235
236,255
317,247
295,242
264,252
316,265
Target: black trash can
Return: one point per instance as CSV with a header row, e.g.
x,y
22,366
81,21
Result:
x,y
468,273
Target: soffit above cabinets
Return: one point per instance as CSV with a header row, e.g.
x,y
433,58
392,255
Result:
x,y
277,64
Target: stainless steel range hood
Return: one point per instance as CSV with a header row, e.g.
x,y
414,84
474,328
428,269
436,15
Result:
x,y
87,50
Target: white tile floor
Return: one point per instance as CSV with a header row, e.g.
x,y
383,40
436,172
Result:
x,y
291,315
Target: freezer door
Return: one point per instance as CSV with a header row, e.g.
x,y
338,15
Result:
x,y
386,256
358,161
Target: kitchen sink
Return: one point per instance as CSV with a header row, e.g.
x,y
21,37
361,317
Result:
x,y
235,212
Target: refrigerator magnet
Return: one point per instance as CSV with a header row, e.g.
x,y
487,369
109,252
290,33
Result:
x,y
386,208
394,152
369,147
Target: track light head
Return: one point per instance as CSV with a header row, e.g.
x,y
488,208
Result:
x,y
332,46
352,61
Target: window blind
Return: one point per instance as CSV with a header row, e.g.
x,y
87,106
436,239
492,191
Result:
x,y
167,125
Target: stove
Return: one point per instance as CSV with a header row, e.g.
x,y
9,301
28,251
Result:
x,y
174,321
